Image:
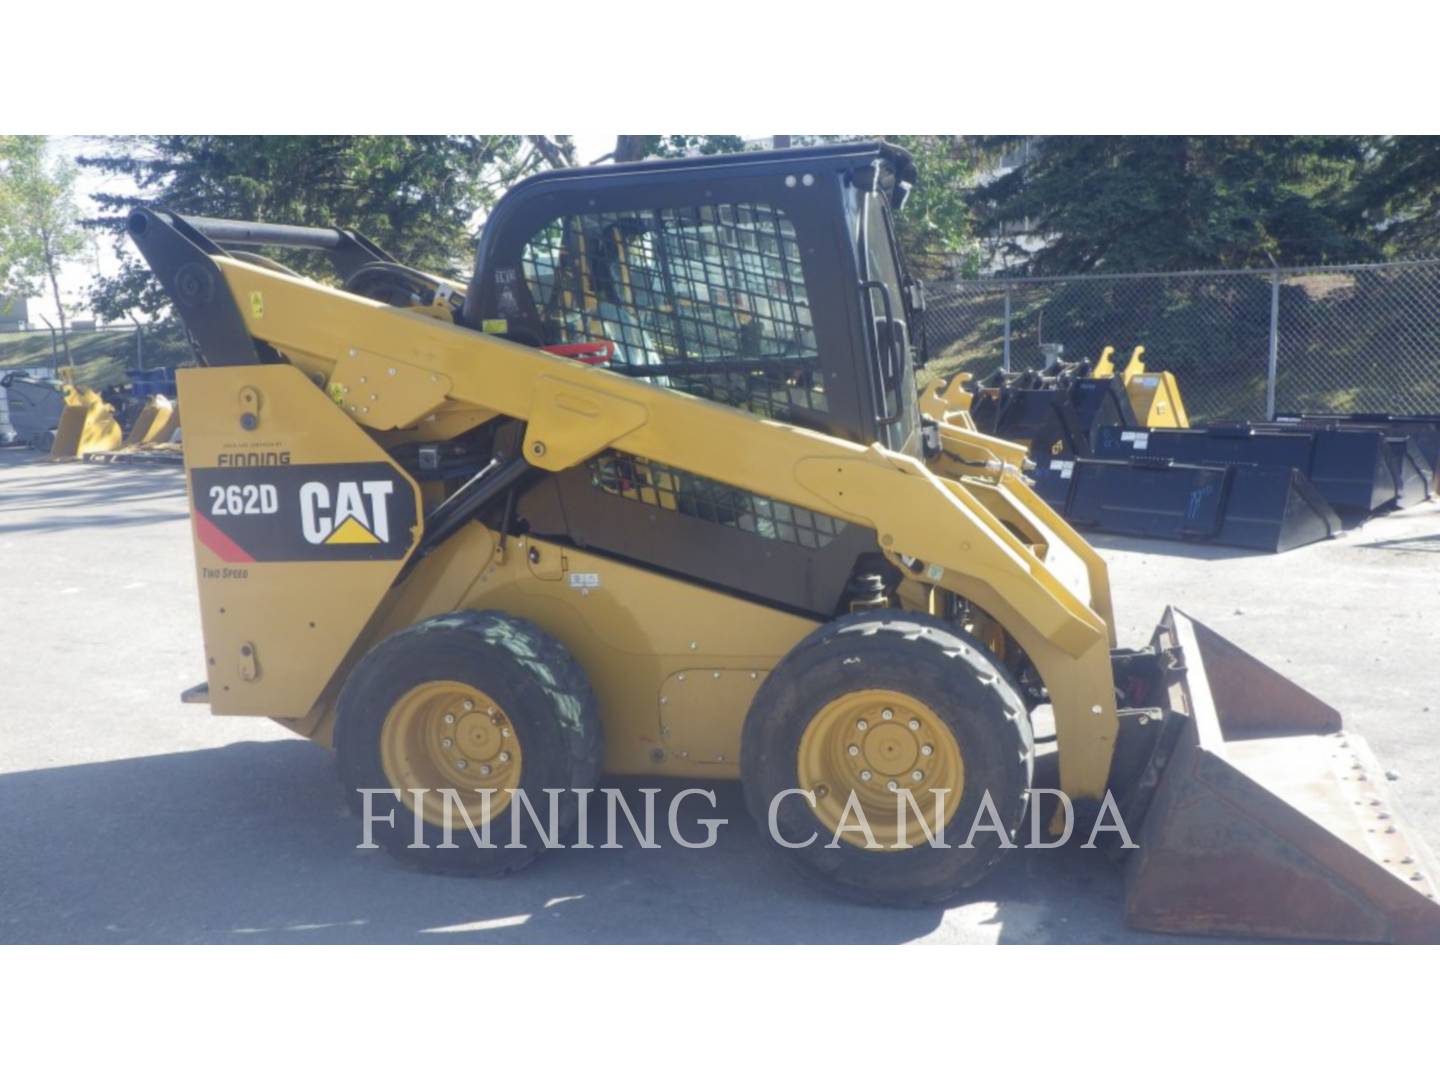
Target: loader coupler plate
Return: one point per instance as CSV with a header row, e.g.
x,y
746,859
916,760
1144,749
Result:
x,y
1269,820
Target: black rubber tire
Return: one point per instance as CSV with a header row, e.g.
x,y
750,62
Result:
x,y
530,675
959,679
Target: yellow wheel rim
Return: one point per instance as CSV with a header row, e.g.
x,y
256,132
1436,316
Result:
x,y
879,744
450,735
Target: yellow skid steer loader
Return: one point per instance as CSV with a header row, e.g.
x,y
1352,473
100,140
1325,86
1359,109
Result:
x,y
653,494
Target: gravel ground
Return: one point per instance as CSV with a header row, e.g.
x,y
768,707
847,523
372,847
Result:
x,y
128,817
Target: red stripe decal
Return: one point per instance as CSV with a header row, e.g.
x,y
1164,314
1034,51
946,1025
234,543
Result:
x,y
211,536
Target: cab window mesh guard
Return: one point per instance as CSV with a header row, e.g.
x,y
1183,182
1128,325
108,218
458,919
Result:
x,y
717,284
694,496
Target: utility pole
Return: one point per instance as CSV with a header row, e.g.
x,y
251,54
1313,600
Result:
x,y
139,342
1273,359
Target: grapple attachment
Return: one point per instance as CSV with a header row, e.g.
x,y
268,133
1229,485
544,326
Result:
x,y
1268,819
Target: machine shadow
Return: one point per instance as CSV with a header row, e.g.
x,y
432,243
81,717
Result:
x,y
251,843
116,495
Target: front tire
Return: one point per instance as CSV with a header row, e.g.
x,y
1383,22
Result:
x,y
868,707
468,701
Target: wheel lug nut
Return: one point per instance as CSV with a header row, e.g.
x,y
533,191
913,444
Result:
x,y
490,710
862,725
504,732
917,776
865,774
854,751
926,750
449,718
892,786
504,757
462,764
887,714
914,724
468,705
447,743
484,770
821,791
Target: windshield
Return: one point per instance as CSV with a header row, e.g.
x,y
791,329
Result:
x,y
714,295
886,310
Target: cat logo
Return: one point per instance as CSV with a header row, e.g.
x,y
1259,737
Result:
x,y
357,513
360,511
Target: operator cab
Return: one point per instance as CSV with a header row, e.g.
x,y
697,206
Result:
x,y
767,281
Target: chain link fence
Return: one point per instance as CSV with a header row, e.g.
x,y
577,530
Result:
x,y
1243,344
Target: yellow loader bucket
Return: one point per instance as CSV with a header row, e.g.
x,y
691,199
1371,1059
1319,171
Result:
x,y
1268,818
156,422
1154,395
86,425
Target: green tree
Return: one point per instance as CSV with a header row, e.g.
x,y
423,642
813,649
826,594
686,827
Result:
x,y
39,228
8,147
639,147
1175,202
935,230
936,227
1397,194
417,196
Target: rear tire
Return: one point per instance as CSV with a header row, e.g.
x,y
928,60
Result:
x,y
902,693
468,700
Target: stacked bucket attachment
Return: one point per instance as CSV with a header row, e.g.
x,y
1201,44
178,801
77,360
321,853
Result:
x,y
1258,814
1267,486
1414,442
1358,470
1264,509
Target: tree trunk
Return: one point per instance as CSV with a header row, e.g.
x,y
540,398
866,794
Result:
x,y
559,153
52,272
631,147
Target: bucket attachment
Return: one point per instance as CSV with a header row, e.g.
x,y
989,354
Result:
x,y
1414,476
1413,443
1154,395
1101,403
156,422
1423,428
1349,466
1055,412
1269,820
87,424
1270,509
1039,419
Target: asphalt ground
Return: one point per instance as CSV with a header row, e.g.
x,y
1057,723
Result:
x,y
126,816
